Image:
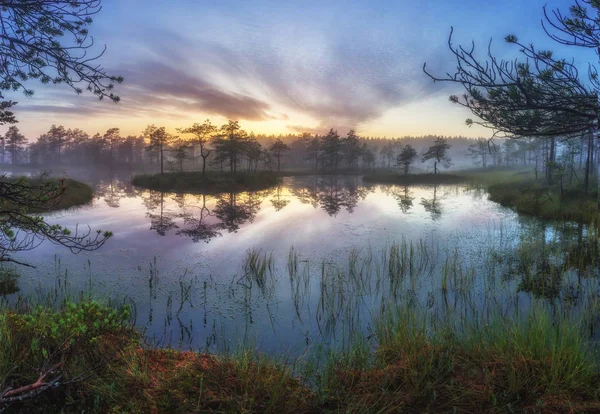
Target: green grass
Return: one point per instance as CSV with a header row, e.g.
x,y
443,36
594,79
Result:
x,y
412,179
505,366
520,191
211,182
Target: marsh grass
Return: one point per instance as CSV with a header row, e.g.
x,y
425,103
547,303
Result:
x,y
519,189
408,327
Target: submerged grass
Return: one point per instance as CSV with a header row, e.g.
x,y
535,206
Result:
x,y
210,182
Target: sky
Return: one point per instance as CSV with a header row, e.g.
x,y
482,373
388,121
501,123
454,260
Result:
x,y
287,66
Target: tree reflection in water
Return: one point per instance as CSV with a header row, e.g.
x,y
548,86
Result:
x,y
204,217
162,221
433,205
405,201
331,193
197,228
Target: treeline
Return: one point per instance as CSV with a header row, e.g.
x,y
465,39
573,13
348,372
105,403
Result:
x,y
230,148
202,146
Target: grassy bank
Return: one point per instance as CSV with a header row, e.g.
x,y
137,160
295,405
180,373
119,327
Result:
x,y
211,182
412,179
520,191
87,357
74,193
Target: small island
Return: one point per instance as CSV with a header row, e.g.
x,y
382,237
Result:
x,y
209,182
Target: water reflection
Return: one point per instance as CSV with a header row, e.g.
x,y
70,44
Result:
x,y
357,249
203,217
234,210
432,205
197,222
160,220
405,201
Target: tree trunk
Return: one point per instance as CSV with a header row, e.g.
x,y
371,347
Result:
x,y
598,186
551,161
586,180
162,160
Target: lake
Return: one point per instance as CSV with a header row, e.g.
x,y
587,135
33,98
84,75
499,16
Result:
x,y
311,261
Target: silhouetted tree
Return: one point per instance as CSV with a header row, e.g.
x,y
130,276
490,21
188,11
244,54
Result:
x,y
352,149
539,95
15,143
180,152
267,160
331,149
57,138
230,144
312,151
113,139
438,153
406,157
368,156
253,153
202,134
20,230
159,141
278,148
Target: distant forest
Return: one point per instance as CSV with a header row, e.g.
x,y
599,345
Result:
x,y
230,148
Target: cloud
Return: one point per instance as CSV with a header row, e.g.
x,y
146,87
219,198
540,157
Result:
x,y
341,81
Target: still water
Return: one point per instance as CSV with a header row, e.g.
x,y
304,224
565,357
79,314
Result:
x,y
324,241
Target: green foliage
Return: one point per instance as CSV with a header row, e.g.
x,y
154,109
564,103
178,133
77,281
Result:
x,y
65,346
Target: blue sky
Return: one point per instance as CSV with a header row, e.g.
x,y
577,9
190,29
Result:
x,y
287,66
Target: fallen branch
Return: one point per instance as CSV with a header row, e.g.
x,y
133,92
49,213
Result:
x,y
10,395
